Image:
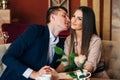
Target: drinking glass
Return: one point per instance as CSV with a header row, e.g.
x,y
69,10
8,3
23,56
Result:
x,y
6,36
1,36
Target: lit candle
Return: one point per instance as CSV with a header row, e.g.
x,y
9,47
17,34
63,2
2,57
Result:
x,y
4,4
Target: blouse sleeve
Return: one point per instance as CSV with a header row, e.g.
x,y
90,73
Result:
x,y
94,53
66,50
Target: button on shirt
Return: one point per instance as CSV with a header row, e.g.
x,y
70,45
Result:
x,y
52,43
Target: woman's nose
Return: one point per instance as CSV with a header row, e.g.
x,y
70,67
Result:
x,y
73,19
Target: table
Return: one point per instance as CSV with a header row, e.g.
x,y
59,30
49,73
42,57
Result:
x,y
101,79
92,79
63,76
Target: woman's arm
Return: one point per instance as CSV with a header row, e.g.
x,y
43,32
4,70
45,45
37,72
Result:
x,y
94,54
60,68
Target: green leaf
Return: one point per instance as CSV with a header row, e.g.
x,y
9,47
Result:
x,y
72,55
72,74
59,50
68,67
82,76
72,62
79,68
71,59
62,60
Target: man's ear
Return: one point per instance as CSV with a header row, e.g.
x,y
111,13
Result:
x,y
52,17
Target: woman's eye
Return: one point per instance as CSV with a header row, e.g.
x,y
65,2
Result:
x,y
80,18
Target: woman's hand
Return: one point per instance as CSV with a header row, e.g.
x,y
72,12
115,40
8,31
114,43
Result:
x,y
54,73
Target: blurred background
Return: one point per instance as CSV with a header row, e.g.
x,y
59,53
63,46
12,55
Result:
x,y
34,12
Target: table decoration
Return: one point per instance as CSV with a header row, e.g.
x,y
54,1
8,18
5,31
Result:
x,y
75,64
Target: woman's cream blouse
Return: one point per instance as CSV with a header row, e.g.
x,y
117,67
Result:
x,y
94,52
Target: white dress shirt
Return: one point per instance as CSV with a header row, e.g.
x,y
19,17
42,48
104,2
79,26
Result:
x,y
52,44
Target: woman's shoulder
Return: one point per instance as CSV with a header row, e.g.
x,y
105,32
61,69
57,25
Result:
x,y
68,37
95,38
67,40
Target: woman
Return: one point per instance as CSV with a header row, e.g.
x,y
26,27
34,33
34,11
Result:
x,y
84,41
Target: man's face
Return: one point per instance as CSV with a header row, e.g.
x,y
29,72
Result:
x,y
62,20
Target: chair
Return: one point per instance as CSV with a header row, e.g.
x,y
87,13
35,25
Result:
x,y
112,58
14,30
3,48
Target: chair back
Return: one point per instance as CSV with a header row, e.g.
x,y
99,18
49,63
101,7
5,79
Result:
x,y
14,30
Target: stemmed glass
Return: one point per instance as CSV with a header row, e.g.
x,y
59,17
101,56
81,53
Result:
x,y
1,36
6,36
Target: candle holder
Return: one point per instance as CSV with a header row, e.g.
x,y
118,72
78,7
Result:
x,y
4,4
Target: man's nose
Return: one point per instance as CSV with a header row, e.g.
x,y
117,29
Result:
x,y
68,19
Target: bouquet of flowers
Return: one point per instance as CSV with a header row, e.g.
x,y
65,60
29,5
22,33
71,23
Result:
x,y
75,62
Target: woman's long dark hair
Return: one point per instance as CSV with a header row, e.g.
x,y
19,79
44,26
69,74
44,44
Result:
x,y
88,29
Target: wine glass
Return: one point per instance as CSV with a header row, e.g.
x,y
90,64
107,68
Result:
x,y
6,36
1,36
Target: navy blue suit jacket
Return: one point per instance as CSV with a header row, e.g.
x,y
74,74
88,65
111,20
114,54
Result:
x,y
28,50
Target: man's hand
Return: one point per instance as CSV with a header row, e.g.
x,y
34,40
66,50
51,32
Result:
x,y
43,70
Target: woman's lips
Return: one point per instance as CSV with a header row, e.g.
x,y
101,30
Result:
x,y
73,24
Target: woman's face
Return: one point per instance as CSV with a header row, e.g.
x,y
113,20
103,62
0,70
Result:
x,y
76,20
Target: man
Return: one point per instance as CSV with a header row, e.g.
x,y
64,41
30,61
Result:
x,y
28,55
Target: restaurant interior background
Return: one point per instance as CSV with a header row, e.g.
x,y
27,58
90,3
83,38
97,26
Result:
x,y
26,12
34,11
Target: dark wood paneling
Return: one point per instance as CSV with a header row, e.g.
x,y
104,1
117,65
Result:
x,y
33,11
101,18
74,4
28,11
90,4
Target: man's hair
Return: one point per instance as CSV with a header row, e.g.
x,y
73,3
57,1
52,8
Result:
x,y
52,10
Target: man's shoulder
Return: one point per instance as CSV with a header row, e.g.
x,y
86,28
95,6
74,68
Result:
x,y
33,32
36,26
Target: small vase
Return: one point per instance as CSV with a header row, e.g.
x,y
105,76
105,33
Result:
x,y
84,73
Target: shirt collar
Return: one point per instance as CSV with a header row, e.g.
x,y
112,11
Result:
x,y
53,39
